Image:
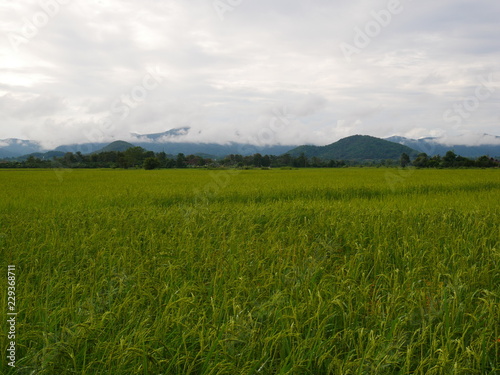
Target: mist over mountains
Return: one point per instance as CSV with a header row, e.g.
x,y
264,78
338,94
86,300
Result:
x,y
13,147
434,146
172,142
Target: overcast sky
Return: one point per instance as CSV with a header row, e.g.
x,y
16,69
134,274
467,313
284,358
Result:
x,y
258,71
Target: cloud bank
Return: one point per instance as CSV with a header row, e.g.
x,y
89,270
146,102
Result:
x,y
283,72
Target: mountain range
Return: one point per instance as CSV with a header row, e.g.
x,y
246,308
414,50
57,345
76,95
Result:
x,y
488,145
356,147
13,147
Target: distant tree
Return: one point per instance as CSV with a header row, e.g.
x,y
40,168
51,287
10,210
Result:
x,y
248,160
170,163
332,164
391,162
33,162
287,160
162,158
180,162
201,162
121,161
435,162
257,160
192,160
135,156
449,159
422,160
300,161
266,161
461,161
232,159
404,160
151,163
315,162
69,158
484,162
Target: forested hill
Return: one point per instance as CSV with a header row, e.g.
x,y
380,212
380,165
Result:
x,y
115,146
356,147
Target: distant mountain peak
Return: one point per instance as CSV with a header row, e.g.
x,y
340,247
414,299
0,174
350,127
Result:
x,y
115,146
356,147
172,133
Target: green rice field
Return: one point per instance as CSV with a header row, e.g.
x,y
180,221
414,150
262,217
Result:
x,y
310,271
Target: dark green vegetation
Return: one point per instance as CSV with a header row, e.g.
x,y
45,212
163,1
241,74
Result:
x,y
356,147
452,160
312,271
115,146
137,157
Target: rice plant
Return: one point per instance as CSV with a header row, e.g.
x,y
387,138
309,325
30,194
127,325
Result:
x,y
338,271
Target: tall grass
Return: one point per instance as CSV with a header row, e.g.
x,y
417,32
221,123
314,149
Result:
x,y
274,272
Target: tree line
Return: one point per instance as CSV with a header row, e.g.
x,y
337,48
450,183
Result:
x,y
137,157
450,160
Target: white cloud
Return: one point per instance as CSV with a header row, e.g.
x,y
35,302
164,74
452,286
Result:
x,y
472,139
224,78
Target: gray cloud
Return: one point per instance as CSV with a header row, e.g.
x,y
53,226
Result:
x,y
228,78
